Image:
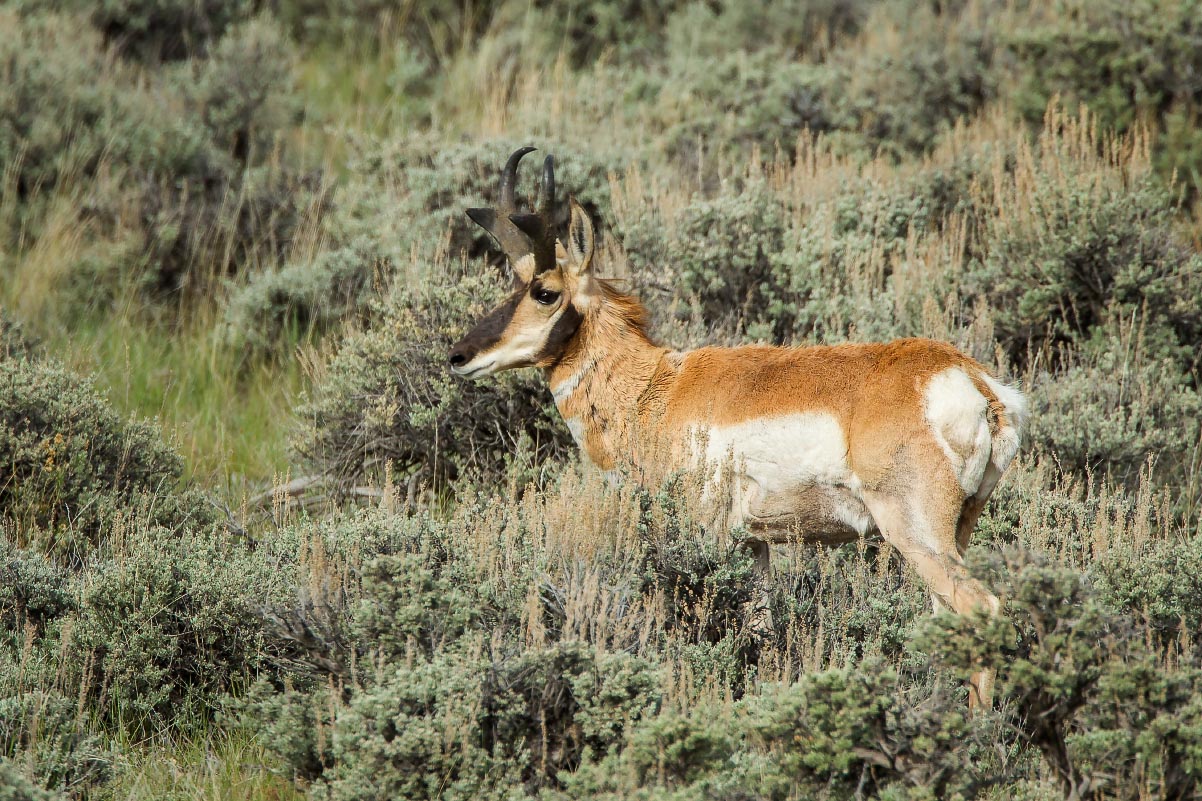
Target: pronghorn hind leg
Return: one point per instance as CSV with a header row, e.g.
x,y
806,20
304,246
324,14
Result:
x,y
973,506
926,536
761,552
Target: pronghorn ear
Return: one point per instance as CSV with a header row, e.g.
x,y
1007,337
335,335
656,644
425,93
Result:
x,y
580,241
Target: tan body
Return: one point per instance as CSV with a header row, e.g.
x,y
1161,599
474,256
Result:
x,y
826,444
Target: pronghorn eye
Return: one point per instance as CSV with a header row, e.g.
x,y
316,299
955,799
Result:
x,y
545,296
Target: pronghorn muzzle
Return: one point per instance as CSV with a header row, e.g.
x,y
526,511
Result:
x,y
486,334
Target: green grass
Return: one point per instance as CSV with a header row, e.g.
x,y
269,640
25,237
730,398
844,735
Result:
x,y
217,766
231,423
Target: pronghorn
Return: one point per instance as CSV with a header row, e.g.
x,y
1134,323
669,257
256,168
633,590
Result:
x,y
830,443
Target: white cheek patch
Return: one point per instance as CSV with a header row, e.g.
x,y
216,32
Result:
x,y
958,416
523,348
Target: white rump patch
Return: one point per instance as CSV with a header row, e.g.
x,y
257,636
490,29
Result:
x,y
957,414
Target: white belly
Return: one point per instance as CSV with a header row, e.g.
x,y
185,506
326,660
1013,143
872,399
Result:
x,y
792,476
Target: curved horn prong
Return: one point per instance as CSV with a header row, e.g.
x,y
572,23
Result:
x,y
509,177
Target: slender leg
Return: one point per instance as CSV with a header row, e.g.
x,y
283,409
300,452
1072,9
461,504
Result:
x,y
973,507
924,531
761,617
761,551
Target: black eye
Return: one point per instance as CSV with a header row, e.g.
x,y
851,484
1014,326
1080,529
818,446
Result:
x,y
545,296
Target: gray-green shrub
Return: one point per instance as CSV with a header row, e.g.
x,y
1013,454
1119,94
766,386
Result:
x,y
72,467
303,299
243,91
1090,249
33,590
171,627
1127,61
15,786
1117,414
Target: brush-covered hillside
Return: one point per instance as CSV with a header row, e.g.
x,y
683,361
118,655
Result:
x,y
256,542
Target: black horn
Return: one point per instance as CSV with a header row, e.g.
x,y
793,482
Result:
x,y
509,178
546,192
517,233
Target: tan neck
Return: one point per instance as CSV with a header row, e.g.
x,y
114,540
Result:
x,y
599,381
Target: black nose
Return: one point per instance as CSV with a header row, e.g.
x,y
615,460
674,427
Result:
x,y
457,358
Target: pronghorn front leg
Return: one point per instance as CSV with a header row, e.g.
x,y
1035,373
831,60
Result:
x,y
761,552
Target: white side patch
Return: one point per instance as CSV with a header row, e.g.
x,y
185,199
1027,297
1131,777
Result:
x,y
1008,437
780,457
783,452
957,414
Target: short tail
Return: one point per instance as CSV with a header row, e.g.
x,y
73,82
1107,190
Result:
x,y
1008,421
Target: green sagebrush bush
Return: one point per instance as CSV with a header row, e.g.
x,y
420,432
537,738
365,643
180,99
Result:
x,y
1127,61
899,95
72,467
1084,682
33,589
243,91
462,727
16,786
66,104
187,152
1159,582
832,734
302,299
166,30
387,396
1090,247
444,697
1118,413
894,96
735,103
744,261
42,726
171,626
423,679
244,210
150,639
45,730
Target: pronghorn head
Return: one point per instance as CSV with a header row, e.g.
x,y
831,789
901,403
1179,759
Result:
x,y
554,285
